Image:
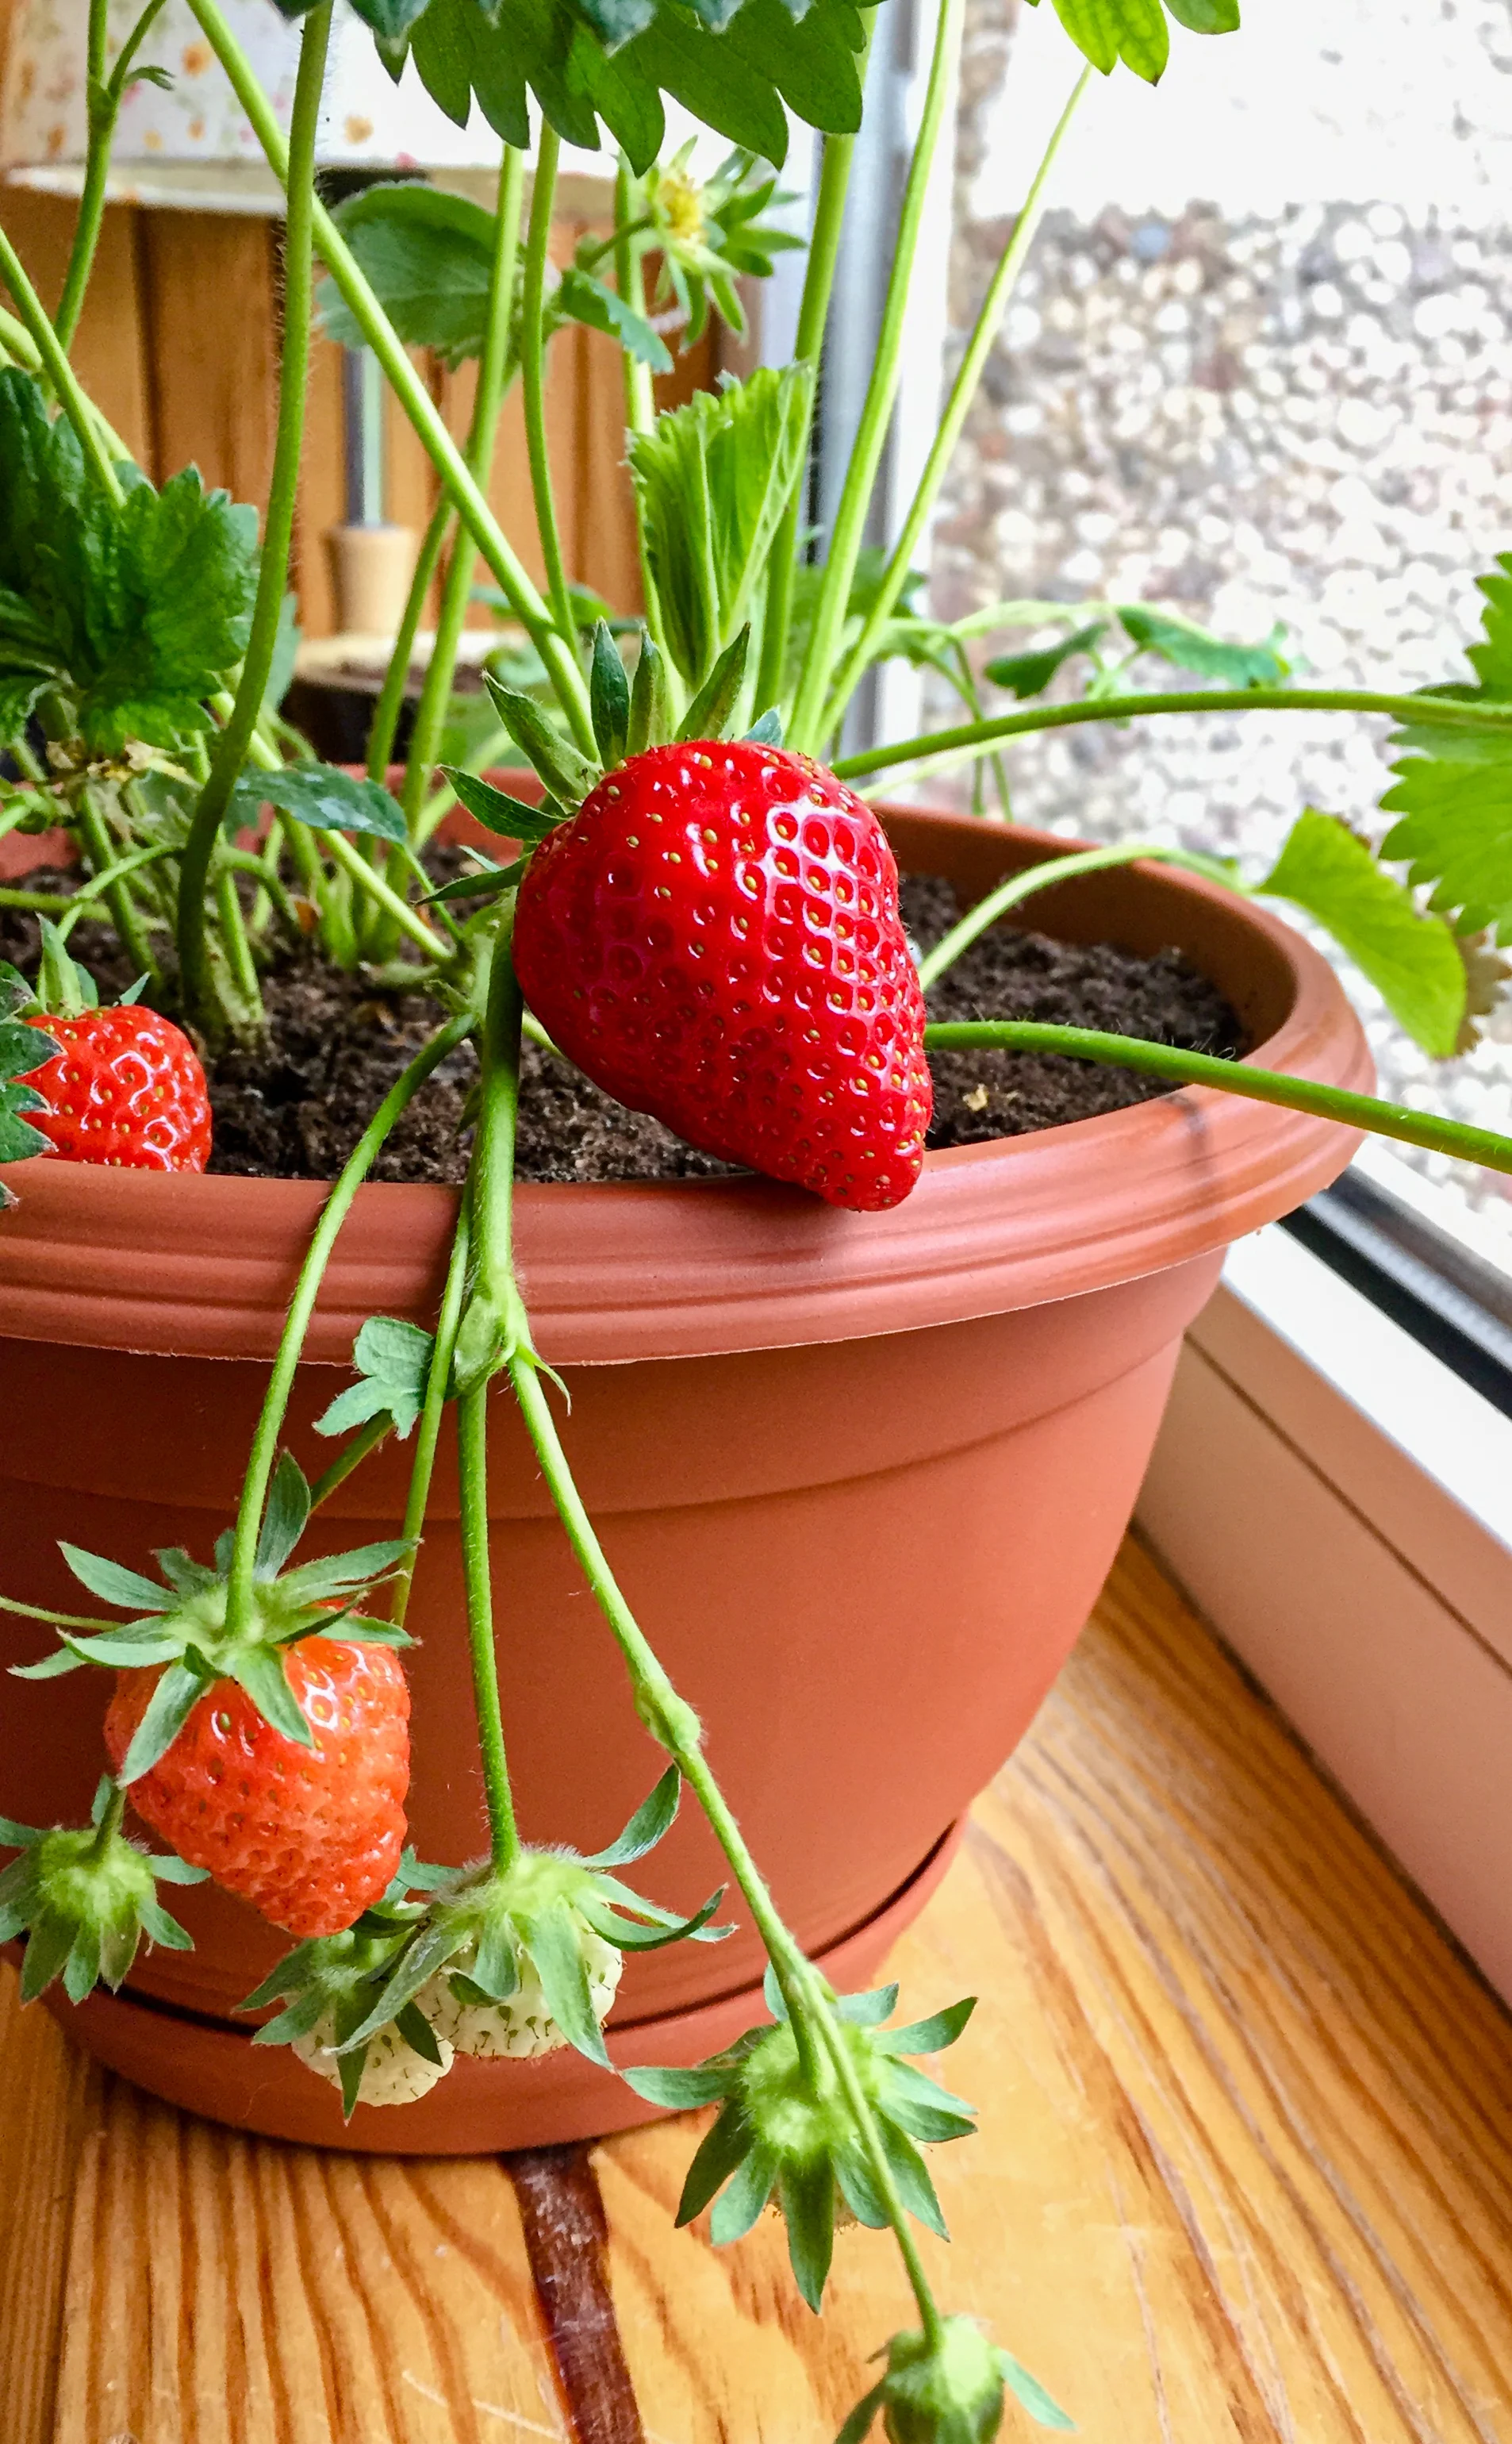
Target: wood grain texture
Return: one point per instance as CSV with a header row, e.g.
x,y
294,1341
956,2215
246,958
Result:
x,y
1246,2173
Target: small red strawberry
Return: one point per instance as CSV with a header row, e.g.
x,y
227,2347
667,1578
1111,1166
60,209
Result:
x,y
310,1836
714,937
124,1088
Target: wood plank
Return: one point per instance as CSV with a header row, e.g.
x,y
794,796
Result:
x,y
1246,2169
211,333
110,353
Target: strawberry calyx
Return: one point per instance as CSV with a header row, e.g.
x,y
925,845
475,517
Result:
x,y
85,1896
947,2388
538,1941
180,1627
786,2132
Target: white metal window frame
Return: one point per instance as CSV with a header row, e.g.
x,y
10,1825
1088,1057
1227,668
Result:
x,y
1339,1503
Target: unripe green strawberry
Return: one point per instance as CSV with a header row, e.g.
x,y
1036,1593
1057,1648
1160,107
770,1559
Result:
x,y
393,2072
522,2026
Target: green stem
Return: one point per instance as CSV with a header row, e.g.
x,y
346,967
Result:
x,y
301,1306
813,313
428,1434
881,391
1338,1103
472,1463
856,2098
436,695
350,1457
278,529
640,403
238,949
81,900
110,1821
102,106
366,877
60,373
957,407
532,375
396,679
241,860
408,389
978,737
1042,878
124,915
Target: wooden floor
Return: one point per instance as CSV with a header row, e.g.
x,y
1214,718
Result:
x,y
1246,2169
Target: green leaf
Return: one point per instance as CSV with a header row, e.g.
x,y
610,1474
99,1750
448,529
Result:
x,y
259,1672
322,797
498,812
169,1708
429,256
115,1584
708,716
767,731
1191,648
550,1936
1025,675
582,298
1455,832
609,692
568,775
663,2083
285,1518
1413,959
393,1358
712,482
650,1822
1031,2393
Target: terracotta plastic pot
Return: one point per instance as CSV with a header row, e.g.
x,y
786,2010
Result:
x,y
862,1477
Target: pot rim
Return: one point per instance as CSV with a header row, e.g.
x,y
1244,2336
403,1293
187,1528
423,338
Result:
x,y
203,1266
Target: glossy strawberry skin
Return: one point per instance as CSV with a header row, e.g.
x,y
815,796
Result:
x,y
715,938
309,1836
125,1089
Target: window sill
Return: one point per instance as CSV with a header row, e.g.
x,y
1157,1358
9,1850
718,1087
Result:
x,y
1340,1507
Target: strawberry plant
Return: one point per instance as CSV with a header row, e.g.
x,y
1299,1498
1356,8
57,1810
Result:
x,y
692,904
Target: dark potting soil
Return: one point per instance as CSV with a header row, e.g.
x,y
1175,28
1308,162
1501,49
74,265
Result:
x,y
295,1107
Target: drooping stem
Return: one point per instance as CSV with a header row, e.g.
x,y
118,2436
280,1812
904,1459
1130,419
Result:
x,y
428,1432
103,97
301,1306
1338,1103
408,389
472,1448
813,313
532,375
54,363
1020,887
436,695
957,407
881,391
833,2038
278,526
980,737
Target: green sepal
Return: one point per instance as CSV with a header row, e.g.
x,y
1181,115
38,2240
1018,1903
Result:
x,y
609,697
665,2084
650,1822
495,1969
911,2177
930,2036
497,811
173,1701
1024,2387
84,1898
550,1937
419,2035
649,714
489,882
738,2206
258,1671
766,730
806,2194
708,716
665,1928
112,1584
867,2010
568,775
285,1518
861,2421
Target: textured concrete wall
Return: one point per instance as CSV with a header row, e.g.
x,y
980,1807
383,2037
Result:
x,y
1250,409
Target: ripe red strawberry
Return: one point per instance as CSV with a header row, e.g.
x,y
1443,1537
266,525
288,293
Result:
x,y
714,937
126,1088
309,1836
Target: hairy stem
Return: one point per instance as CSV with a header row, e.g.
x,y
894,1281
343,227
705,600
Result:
x,y
349,1458
124,914
54,363
301,1306
532,375
1042,878
957,407
473,1450
980,737
555,651
104,95
834,2040
278,526
1338,1103
396,679
813,313
435,695
881,391
428,1434
366,877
